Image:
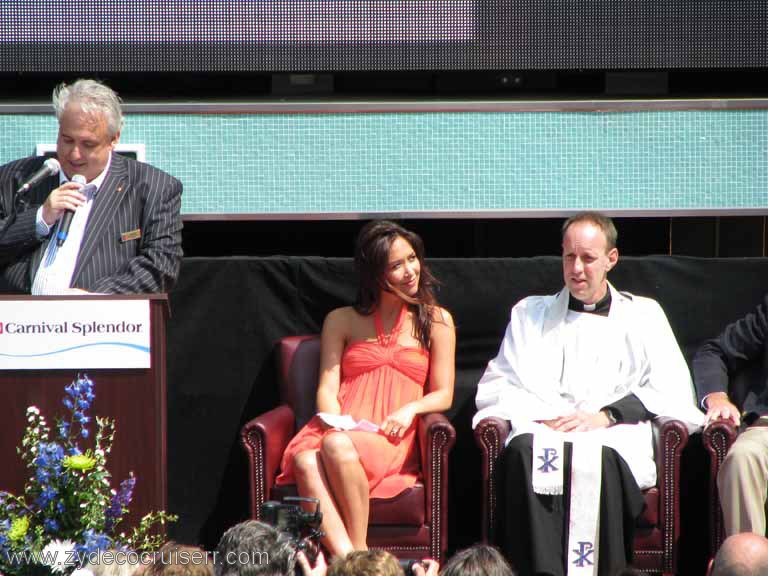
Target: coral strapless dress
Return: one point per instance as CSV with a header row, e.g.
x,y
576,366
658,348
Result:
x,y
377,378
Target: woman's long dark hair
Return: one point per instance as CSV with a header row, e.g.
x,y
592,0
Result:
x,y
371,260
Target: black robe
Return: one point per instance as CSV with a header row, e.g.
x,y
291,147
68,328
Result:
x,y
532,529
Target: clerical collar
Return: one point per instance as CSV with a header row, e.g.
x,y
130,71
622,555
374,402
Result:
x,y
601,307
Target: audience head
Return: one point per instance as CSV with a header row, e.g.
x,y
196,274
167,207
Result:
x,y
390,259
589,253
365,563
477,560
109,563
175,559
743,554
253,548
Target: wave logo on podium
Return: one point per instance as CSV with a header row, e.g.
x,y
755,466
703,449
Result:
x,y
75,334
82,346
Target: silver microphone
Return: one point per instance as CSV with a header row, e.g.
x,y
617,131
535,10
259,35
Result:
x,y
66,220
50,167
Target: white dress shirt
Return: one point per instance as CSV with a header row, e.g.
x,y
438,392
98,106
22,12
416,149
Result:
x,y
54,275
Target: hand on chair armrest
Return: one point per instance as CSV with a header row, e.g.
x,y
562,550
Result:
x,y
264,440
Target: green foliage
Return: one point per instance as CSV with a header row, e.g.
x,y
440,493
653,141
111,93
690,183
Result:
x,y
68,502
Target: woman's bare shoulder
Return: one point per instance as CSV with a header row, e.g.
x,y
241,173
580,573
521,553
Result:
x,y
345,318
442,316
348,325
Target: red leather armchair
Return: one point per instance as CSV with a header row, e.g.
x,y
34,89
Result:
x,y
413,524
658,529
717,439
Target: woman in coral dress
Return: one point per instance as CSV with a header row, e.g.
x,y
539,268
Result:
x,y
387,359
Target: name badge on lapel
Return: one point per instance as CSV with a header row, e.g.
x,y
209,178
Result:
x,y
130,235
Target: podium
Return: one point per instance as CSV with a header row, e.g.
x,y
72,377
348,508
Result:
x,y
135,398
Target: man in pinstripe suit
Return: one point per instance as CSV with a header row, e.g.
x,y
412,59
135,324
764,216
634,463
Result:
x,y
125,232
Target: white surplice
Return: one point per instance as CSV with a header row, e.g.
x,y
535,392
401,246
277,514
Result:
x,y
553,361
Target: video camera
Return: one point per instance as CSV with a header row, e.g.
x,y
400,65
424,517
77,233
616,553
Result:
x,y
407,566
290,517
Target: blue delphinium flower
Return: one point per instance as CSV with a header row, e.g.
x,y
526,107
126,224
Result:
x,y
47,471
93,542
42,474
5,525
78,399
120,501
49,457
126,490
48,495
50,525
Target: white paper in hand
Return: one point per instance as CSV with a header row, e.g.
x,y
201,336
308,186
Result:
x,y
346,422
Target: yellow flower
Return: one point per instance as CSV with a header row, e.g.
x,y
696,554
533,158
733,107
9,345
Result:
x,y
79,462
18,529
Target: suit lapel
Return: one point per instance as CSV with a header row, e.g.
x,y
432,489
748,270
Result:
x,y
105,206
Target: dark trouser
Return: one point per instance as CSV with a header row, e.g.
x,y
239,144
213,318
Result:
x,y
532,529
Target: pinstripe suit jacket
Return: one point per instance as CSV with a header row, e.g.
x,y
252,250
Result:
x,y
134,196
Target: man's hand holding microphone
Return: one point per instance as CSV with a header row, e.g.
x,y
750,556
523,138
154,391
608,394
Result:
x,y
62,203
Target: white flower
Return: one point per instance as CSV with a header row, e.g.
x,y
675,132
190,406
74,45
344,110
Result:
x,y
33,410
59,555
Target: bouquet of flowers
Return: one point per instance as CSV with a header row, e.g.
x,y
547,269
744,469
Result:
x,y
68,510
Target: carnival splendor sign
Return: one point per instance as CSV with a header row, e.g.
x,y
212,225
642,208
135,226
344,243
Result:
x,y
74,334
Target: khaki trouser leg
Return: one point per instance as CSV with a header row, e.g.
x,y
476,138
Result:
x,y
743,482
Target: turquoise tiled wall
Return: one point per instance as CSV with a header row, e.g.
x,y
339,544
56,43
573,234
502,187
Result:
x,y
463,161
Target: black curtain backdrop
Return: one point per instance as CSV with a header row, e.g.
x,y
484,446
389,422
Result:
x,y
228,313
